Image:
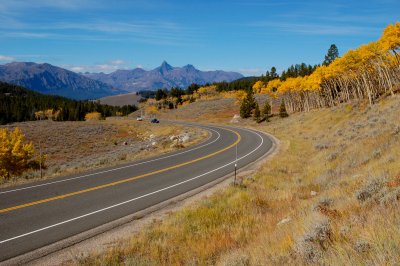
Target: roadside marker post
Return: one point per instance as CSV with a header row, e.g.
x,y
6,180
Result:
x,y
234,181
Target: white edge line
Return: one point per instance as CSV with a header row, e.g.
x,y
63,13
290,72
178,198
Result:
x,y
134,199
114,169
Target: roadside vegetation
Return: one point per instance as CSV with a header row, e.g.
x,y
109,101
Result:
x,y
16,154
331,194
75,146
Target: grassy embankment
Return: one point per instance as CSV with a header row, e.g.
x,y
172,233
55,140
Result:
x,y
73,147
330,196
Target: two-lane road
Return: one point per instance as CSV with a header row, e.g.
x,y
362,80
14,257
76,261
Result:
x,y
35,215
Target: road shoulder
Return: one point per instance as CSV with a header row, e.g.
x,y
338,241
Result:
x,y
112,234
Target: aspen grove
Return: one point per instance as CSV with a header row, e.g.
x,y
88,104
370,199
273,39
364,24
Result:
x,y
368,72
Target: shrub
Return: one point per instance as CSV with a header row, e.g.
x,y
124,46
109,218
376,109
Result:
x,y
373,186
93,116
321,146
311,246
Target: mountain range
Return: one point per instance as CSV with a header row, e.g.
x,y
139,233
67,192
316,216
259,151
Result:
x,y
49,79
164,76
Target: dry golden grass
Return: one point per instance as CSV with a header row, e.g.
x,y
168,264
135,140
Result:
x,y
330,196
73,147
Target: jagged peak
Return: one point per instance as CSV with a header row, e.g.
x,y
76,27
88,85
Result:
x,y
165,66
189,66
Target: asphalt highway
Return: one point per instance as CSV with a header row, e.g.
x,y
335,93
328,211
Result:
x,y
41,213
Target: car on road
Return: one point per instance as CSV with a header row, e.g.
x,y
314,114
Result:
x,y
139,118
155,120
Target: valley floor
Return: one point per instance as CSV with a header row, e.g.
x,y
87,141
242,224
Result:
x,y
330,196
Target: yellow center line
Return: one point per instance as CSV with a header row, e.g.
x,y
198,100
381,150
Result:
x,y
121,181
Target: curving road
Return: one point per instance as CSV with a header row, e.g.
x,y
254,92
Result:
x,y
36,215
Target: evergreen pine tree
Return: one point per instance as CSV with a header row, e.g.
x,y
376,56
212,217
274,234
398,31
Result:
x,y
257,113
251,101
245,110
282,109
266,110
247,105
332,54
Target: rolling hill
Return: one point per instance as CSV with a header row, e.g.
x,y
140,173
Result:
x,y
121,99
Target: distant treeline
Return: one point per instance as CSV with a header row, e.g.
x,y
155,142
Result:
x,y
246,83
18,104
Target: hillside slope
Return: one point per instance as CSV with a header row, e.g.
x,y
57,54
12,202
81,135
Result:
x,y
330,196
18,104
121,99
49,79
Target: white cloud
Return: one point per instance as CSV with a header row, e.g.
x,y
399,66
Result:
x,y
151,32
17,5
6,58
30,35
317,29
251,71
117,62
107,67
77,69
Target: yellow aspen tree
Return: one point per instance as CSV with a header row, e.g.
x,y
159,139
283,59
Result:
x,y
390,38
272,88
240,95
367,72
49,114
257,87
39,115
151,110
15,155
56,114
93,116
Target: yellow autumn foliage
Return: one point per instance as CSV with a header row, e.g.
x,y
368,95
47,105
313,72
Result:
x,y
365,72
207,92
272,88
93,116
50,114
257,87
15,154
240,95
151,110
390,38
40,115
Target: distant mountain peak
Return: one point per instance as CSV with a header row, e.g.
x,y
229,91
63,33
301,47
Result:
x,y
165,67
189,66
165,63
164,76
49,79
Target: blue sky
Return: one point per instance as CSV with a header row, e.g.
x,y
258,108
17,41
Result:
x,y
245,36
